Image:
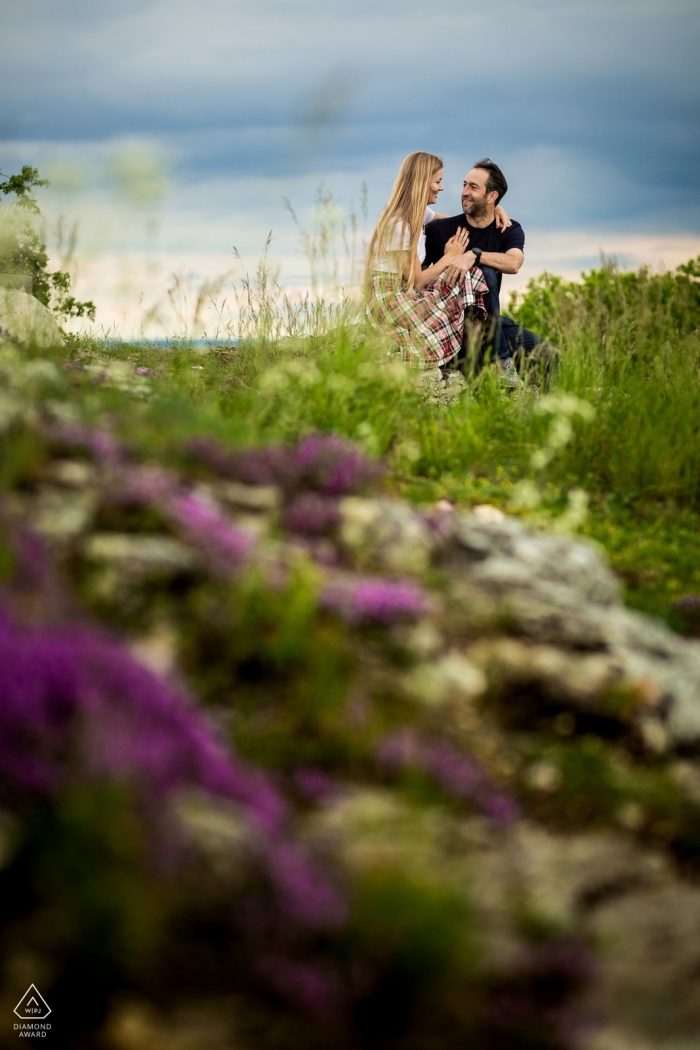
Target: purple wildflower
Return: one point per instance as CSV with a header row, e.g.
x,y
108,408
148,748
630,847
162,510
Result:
x,y
315,785
75,697
441,519
311,513
102,445
317,990
34,569
688,603
455,773
373,599
303,892
201,523
251,466
203,526
333,465
144,486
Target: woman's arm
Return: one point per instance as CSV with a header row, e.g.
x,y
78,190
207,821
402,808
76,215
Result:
x,y
453,250
502,219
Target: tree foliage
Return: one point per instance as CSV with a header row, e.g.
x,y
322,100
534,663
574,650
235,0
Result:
x,y
23,249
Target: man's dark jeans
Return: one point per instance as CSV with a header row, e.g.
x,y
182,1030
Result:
x,y
507,337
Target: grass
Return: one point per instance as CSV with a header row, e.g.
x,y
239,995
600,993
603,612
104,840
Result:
x,y
630,348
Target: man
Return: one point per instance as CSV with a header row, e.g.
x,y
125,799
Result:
x,y
494,251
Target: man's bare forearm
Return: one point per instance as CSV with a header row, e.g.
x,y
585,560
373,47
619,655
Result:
x,y
504,262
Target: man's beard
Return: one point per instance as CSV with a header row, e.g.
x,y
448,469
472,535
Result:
x,y
475,209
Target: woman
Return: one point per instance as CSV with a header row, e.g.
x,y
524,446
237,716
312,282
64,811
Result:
x,y
426,308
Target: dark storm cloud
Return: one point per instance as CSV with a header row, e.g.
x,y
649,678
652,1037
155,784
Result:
x,y
238,87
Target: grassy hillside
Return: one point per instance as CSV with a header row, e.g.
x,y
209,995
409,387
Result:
x,y
294,755
630,349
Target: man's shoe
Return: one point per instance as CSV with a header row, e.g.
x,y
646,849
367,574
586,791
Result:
x,y
509,376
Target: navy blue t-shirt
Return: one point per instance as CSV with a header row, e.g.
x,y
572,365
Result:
x,y
489,239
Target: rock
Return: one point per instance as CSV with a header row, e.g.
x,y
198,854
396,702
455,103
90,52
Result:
x,y
72,473
157,650
644,920
486,512
222,842
560,594
450,679
26,320
146,554
385,535
574,679
61,514
136,1024
256,498
512,555
650,973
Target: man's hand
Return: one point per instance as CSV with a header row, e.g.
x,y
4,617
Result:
x,y
456,244
464,262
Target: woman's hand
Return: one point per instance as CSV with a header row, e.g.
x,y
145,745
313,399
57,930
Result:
x,y
503,221
457,244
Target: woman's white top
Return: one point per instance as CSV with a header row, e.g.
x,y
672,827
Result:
x,y
400,241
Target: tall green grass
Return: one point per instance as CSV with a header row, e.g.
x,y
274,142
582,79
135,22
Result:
x,y
632,348
629,347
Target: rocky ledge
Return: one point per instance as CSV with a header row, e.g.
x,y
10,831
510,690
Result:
x,y
426,778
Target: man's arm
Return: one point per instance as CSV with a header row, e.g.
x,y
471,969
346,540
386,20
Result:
x,y
504,262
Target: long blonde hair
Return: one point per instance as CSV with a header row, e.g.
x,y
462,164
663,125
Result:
x,y
405,211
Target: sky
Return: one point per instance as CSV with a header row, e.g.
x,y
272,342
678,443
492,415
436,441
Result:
x,y
173,130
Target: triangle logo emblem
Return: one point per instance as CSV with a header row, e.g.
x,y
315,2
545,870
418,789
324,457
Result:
x,y
32,1006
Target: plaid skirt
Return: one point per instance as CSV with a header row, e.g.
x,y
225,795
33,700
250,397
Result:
x,y
428,323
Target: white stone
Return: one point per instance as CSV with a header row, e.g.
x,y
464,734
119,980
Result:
x,y
27,320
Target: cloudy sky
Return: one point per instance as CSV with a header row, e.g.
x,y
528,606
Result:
x,y
173,129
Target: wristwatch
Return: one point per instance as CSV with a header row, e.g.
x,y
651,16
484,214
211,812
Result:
x,y
478,252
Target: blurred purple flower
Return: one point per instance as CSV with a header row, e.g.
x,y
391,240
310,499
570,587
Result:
x,y
324,462
102,445
315,785
333,465
454,772
143,486
203,526
201,523
75,701
303,892
75,704
251,466
311,513
441,519
317,990
373,599
34,568
688,604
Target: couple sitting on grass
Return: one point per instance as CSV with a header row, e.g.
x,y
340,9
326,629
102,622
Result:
x,y
436,280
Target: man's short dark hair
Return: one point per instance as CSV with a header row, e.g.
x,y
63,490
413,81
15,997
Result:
x,y
496,180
